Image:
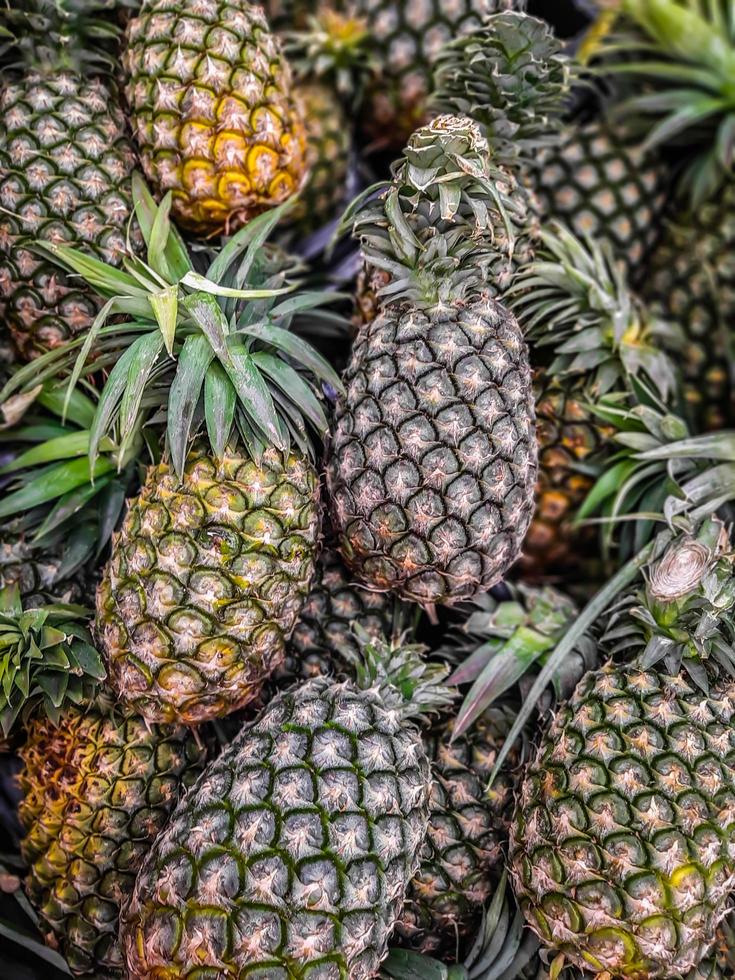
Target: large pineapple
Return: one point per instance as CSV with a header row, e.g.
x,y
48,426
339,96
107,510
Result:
x,y
65,167
98,788
213,110
685,57
622,845
217,553
433,455
292,854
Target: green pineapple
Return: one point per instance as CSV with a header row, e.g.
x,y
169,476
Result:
x,y
65,168
433,454
216,554
684,53
97,790
621,845
292,854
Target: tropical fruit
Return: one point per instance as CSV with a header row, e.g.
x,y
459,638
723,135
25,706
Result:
x,y
324,640
65,167
212,110
433,454
217,553
98,788
292,854
684,51
602,184
406,38
328,148
216,564
592,339
622,842
468,828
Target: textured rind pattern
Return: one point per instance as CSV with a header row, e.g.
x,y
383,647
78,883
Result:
x,y
290,857
212,110
691,281
65,168
623,843
407,38
604,186
97,790
468,827
433,459
206,580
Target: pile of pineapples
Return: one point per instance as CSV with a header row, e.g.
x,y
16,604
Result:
x,y
367,583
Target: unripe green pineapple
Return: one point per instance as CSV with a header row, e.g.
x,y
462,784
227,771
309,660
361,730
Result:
x,y
97,789
622,842
292,854
65,166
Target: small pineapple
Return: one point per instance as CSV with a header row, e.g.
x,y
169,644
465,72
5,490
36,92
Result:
x,y
216,554
468,828
98,788
213,110
65,167
292,854
622,842
433,455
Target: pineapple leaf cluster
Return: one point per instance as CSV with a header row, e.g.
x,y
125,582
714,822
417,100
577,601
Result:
x,y
47,658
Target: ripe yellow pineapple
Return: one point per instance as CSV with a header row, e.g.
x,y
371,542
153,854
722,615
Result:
x,y
213,110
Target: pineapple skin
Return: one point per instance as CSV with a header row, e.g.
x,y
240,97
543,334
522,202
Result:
x,y
97,790
433,458
65,167
406,37
328,150
212,110
205,582
603,185
468,829
623,841
291,855
692,282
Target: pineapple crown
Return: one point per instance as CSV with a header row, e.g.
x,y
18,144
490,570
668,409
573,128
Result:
x,y
335,48
57,503
59,34
684,50
500,643
47,659
406,681
445,220
214,351
685,615
512,77
574,298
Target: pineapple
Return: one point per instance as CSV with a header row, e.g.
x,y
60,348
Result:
x,y
433,455
622,842
292,854
328,150
323,640
65,166
468,827
685,56
216,554
98,788
602,184
213,110
406,38
573,301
